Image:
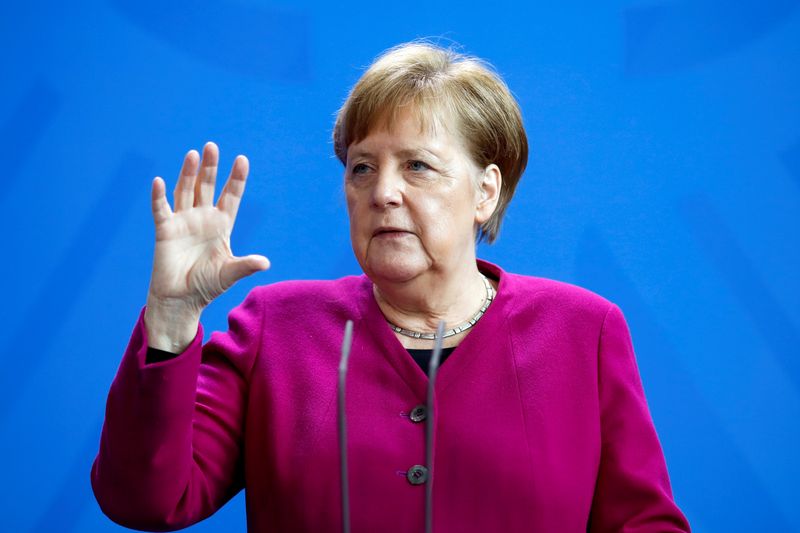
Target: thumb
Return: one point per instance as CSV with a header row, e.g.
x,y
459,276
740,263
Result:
x,y
240,267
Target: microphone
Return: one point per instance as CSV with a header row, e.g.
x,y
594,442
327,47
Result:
x,y
433,367
347,343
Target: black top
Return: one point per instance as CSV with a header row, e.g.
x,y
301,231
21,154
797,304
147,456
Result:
x,y
423,357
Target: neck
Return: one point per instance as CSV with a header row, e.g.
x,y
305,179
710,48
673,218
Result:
x,y
421,302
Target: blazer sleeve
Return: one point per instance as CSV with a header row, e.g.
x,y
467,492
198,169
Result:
x,y
633,491
171,445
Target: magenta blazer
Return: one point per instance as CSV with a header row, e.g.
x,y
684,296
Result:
x,y
542,423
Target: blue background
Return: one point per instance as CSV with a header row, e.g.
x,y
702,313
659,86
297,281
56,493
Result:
x,y
664,175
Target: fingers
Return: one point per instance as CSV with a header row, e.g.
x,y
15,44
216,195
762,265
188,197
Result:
x,y
197,180
206,177
159,204
232,193
240,267
184,190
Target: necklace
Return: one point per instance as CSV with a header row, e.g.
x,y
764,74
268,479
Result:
x,y
458,329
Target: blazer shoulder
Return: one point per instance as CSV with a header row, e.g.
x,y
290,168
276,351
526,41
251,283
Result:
x,y
552,295
295,295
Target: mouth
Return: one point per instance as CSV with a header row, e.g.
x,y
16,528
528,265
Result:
x,y
388,231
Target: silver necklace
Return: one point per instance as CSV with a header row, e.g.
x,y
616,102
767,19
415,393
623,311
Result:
x,y
458,329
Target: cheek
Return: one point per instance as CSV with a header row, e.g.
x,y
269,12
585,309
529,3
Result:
x,y
356,197
356,219
437,219
348,197
451,222
353,206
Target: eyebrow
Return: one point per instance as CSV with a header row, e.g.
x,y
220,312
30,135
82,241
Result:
x,y
418,152
405,153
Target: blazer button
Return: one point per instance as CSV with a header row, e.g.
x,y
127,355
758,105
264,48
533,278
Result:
x,y
417,475
419,413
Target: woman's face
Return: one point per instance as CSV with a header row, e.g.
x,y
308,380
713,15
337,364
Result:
x,y
413,202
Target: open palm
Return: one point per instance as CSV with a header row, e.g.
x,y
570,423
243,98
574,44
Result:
x,y
193,262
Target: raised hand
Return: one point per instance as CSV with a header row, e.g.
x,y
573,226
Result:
x,y
193,262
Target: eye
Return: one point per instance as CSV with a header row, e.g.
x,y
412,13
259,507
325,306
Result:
x,y
360,168
418,166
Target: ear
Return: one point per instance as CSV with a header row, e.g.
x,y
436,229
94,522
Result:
x,y
488,193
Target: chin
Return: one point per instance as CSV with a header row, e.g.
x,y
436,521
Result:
x,y
394,269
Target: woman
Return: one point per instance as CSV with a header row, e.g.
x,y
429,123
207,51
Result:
x,y
541,420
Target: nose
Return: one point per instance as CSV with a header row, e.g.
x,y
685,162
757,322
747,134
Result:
x,y
388,189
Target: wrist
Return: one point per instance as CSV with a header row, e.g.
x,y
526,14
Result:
x,y
171,325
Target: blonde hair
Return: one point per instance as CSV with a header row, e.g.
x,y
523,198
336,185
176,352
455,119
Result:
x,y
437,84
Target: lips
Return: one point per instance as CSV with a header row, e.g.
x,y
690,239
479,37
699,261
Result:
x,y
390,231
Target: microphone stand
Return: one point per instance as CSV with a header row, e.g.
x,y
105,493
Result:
x,y
347,343
433,367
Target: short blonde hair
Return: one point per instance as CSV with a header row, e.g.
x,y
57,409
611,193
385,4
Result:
x,y
438,84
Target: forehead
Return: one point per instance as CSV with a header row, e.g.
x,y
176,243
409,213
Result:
x,y
410,129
